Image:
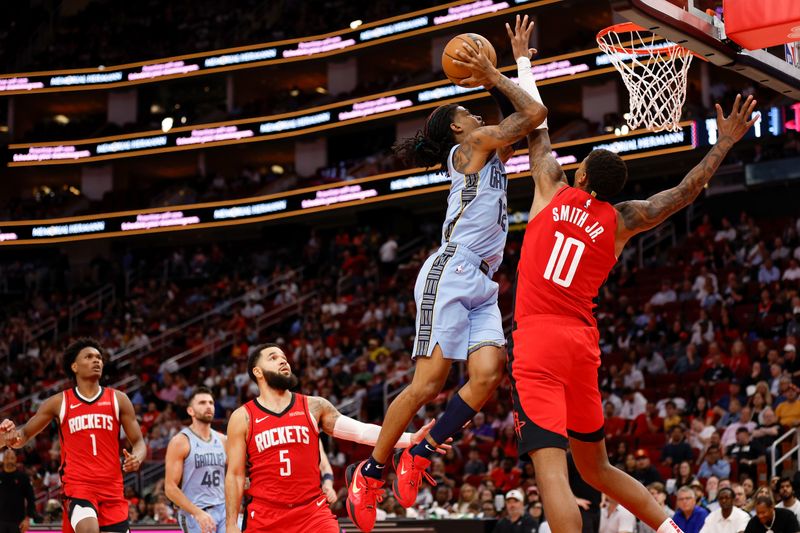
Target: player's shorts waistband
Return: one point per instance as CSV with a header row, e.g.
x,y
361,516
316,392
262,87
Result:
x,y
542,320
468,255
284,505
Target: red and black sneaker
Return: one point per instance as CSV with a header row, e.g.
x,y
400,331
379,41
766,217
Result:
x,y
410,470
363,495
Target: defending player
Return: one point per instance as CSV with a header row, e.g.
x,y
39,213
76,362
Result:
x,y
572,241
89,417
274,439
457,314
195,469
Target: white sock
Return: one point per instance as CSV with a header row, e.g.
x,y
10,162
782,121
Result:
x,y
669,527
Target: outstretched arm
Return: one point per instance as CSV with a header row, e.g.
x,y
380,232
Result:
x,y
14,437
334,423
637,216
548,176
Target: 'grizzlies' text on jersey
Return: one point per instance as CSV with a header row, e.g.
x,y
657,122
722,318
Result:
x,y
477,215
204,470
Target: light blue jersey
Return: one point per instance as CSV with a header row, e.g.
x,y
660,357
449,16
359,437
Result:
x,y
477,210
455,296
203,479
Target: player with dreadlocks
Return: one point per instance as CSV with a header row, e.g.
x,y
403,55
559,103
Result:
x,y
457,314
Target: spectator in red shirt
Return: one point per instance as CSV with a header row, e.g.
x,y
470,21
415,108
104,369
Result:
x,y
149,417
507,476
648,423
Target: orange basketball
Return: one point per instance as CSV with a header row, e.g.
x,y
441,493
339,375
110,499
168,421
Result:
x,y
457,73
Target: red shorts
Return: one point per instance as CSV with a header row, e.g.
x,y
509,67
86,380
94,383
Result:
x,y
315,516
553,362
109,506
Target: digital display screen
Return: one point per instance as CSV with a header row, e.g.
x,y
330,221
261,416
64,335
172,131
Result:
x,y
559,69
252,56
325,197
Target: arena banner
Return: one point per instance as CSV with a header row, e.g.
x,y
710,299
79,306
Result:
x,y
260,55
559,69
362,191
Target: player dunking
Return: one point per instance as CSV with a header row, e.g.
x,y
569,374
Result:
x,y
195,469
457,314
89,417
572,241
274,439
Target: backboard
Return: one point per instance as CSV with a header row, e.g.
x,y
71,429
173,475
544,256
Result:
x,y
705,34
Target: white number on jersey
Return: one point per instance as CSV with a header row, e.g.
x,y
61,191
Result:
x,y
285,472
558,257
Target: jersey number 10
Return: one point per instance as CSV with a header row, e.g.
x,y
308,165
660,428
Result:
x,y
558,258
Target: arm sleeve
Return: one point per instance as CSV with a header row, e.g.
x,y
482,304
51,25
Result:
x,y
347,428
528,83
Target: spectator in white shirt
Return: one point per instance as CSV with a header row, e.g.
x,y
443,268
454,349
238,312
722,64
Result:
x,y
727,233
726,519
632,377
633,404
614,518
388,250
653,363
793,272
788,499
665,295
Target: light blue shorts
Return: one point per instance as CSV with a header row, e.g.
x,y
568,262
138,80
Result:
x,y
189,524
456,305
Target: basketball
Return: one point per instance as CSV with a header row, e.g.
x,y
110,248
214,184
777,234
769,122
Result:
x,y
457,73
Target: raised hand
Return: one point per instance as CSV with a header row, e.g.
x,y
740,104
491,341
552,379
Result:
x,y
483,72
739,121
521,37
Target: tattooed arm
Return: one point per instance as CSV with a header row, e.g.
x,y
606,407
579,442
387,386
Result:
x,y
548,176
484,140
637,216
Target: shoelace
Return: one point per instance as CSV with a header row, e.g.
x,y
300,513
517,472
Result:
x,y
373,496
418,474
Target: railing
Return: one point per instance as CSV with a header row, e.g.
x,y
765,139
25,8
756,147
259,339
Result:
x,y
162,341
104,294
773,450
40,329
654,238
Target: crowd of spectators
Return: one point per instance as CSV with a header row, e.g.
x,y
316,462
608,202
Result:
x,y
699,351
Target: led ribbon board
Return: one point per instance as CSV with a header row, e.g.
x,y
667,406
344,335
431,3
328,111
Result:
x,y
321,198
559,69
262,54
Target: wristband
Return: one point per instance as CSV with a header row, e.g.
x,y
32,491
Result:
x,y
327,477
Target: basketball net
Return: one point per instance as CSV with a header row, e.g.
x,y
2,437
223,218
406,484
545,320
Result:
x,y
654,74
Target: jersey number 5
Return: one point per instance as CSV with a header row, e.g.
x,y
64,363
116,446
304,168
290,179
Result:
x,y
287,471
558,258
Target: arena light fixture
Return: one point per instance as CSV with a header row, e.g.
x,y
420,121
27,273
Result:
x,y
356,23
61,119
166,124
321,90
294,93
277,169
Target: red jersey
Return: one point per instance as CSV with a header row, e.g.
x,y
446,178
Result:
x,y
566,256
283,453
89,433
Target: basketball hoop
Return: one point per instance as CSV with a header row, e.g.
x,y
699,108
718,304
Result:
x,y
654,73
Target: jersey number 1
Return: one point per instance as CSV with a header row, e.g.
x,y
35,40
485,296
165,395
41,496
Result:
x,y
558,258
